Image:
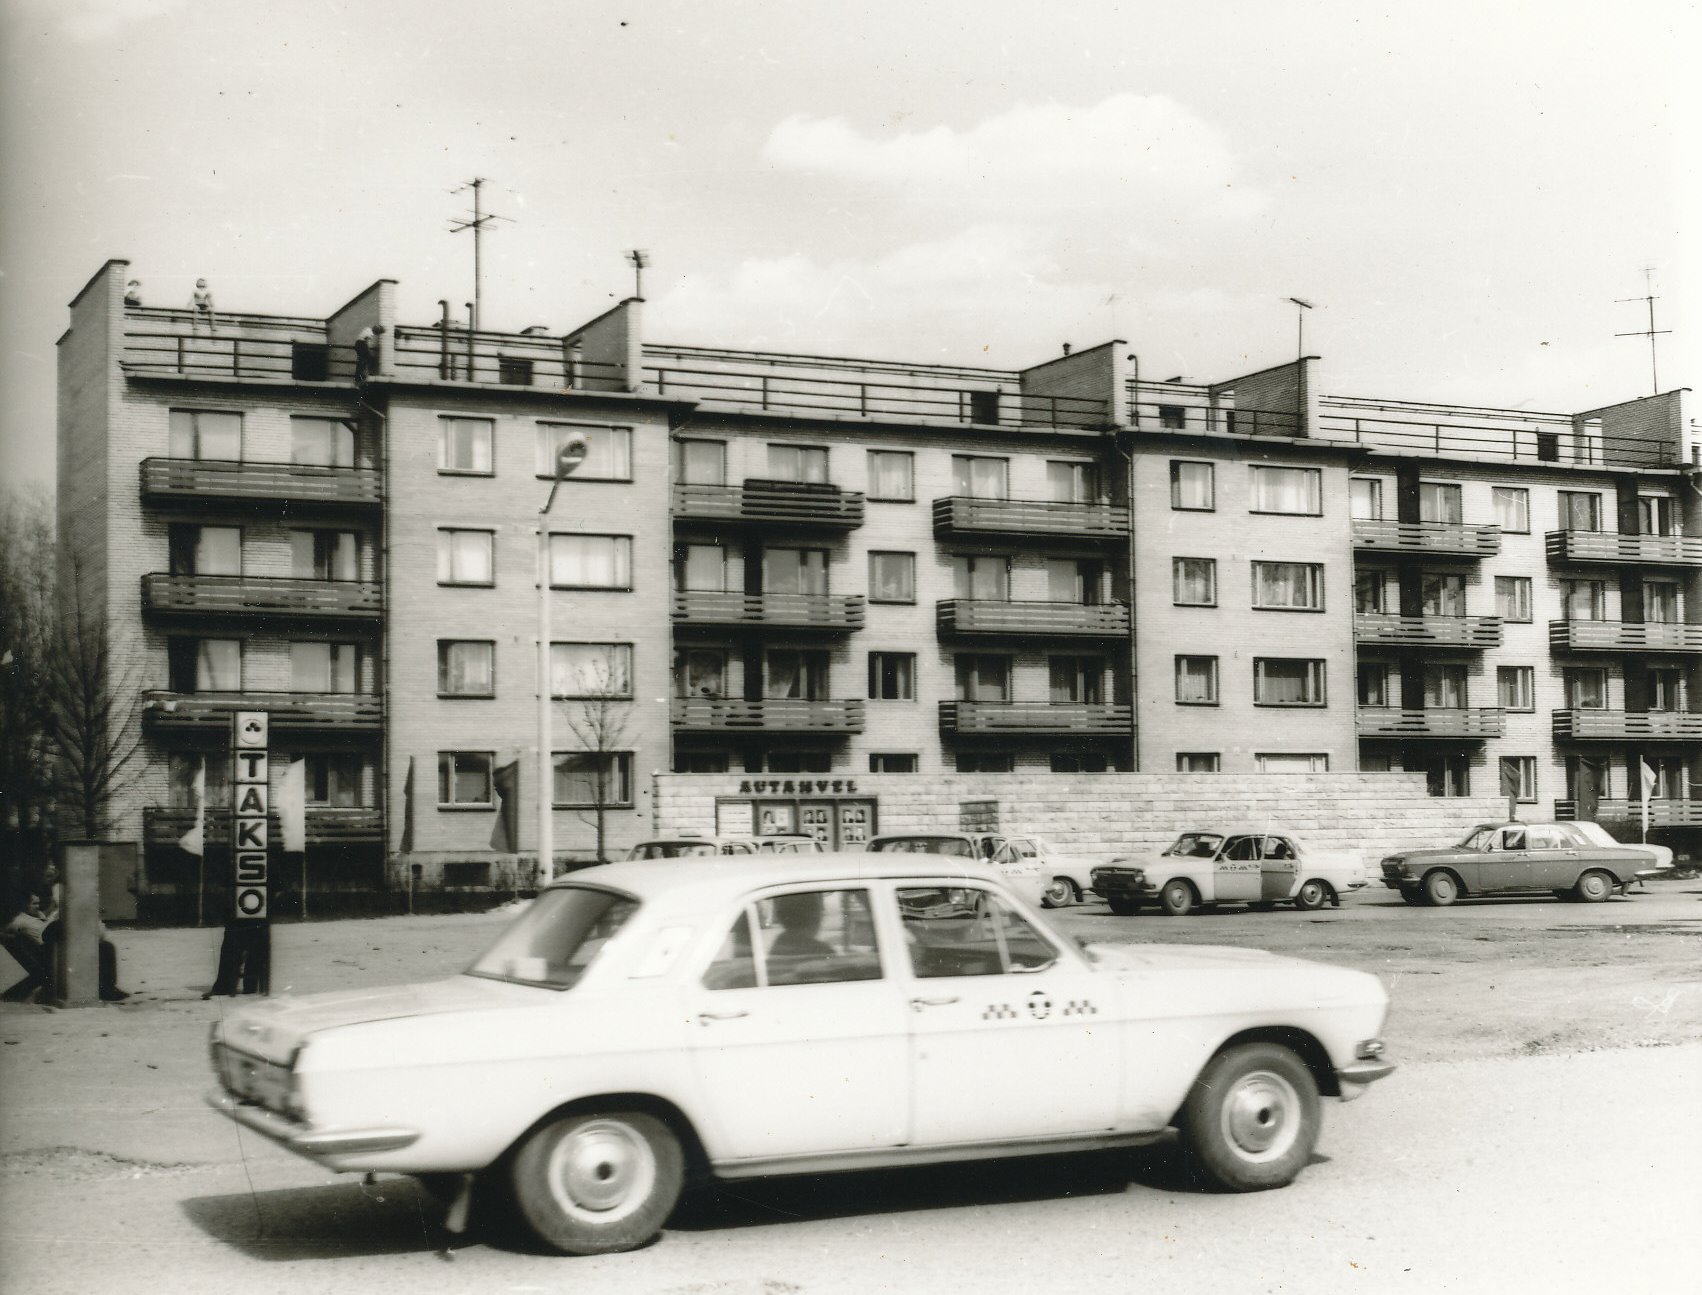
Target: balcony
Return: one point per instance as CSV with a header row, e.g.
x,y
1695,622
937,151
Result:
x,y
296,712
1625,550
836,615
1031,619
326,825
767,715
1475,722
776,503
1037,718
1624,636
1474,632
1662,812
964,515
1427,539
269,596
1627,726
176,482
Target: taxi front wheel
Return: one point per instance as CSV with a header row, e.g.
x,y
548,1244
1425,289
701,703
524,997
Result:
x,y
598,1182
1252,1119
1177,898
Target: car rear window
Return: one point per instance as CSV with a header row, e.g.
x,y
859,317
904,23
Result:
x,y
951,845
554,942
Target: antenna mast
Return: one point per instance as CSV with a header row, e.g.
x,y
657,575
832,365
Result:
x,y
477,224
640,259
1651,332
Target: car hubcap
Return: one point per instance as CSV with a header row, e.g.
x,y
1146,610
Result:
x,y
603,1170
1059,893
1594,886
1261,1116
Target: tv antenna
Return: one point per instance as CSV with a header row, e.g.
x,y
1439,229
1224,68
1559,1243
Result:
x,y
1651,332
640,260
1302,306
477,223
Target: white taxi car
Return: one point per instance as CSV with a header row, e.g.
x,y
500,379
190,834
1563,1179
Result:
x,y
793,1014
1233,865
1021,872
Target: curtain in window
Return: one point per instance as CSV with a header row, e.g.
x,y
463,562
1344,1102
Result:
x,y
1660,602
467,668
893,574
1193,580
1586,689
795,571
1373,685
464,778
590,670
464,557
205,434
1365,499
1439,503
1072,482
1368,591
703,463
1580,511
1513,508
1444,595
799,675
705,675
1191,485
981,578
1194,679
1285,490
218,665
218,551
1584,600
797,463
980,477
1284,584
1445,687
322,441
890,475
596,561
1283,683
464,445
983,678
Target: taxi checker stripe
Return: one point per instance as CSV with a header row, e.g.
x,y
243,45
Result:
x,y
999,1012
1080,1008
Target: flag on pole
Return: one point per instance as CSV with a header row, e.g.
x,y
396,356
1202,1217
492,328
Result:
x,y
1647,777
407,846
505,832
194,840
292,807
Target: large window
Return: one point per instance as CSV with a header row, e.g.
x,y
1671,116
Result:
x,y
464,445
1288,586
1291,762
1515,687
1373,681
982,677
1658,515
1079,762
466,668
205,550
325,555
1586,687
585,779
1439,501
1667,689
464,778
591,561
1196,680
798,463
1077,679
1660,602
1365,499
1197,762
1513,597
465,557
1519,774
1442,593
1287,490
1444,687
591,669
796,674
981,576
1368,586
1193,582
608,451
334,780
701,463
1580,510
1072,483
324,667
892,762
1192,486
1513,509
325,442
892,577
701,672
892,476
1075,580
892,676
703,567
1288,681
204,665
205,434
794,571
980,476
1584,600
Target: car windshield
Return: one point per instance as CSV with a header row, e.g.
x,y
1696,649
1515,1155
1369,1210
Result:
x,y
952,845
671,849
1195,845
553,943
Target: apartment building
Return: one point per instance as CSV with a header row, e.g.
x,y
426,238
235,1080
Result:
x,y
813,569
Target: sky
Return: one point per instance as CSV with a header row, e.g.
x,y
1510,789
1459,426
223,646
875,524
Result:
x,y
1467,192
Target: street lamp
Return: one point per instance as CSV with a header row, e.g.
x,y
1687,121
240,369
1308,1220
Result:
x,y
569,455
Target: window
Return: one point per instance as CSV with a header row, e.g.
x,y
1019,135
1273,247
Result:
x,y
1193,582
985,762
205,550
590,669
797,762
465,557
310,362
205,665
1667,690
1442,594
1075,580
811,937
702,673
325,555
1671,778
1196,680
1287,490
1192,488
892,762
325,442
1439,501
1513,509
1580,511
1077,679
892,476
892,676
1660,602
1658,515
1284,762
702,567
1172,418
701,463
968,932
1368,590
1373,681
700,762
892,577
333,780
1513,598
1515,687
794,571
981,577
1586,688
1288,586
980,476
982,678
983,406
513,371
1444,687
1375,762
1584,600
1287,681
797,463
591,779
205,434
1365,499
795,674
1079,762
608,451
590,561
464,445
466,668
182,770
1519,772
464,778
1072,483
324,667
1197,762
1445,775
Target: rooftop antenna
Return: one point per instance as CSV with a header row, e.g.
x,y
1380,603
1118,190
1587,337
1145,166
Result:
x,y
1300,324
640,262
1651,332
477,224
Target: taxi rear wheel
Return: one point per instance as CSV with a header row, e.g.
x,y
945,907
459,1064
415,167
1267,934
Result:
x,y
598,1182
1060,892
1177,898
1311,896
1252,1120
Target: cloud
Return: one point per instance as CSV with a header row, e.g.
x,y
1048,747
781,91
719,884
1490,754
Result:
x,y
92,20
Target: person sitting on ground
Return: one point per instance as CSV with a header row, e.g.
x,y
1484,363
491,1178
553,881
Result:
x,y
800,920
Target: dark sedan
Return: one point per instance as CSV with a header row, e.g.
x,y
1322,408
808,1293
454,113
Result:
x,y
1519,858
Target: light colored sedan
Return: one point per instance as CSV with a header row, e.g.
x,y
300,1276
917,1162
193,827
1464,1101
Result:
x,y
1230,865
753,1016
1068,878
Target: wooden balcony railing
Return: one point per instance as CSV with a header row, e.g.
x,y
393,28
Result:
x,y
1434,539
325,824
1624,636
782,611
210,712
1032,619
1436,721
273,596
964,515
769,714
786,503
1427,631
1625,550
1662,811
1039,718
1627,725
179,481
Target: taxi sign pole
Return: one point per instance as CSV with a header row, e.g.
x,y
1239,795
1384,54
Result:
x,y
249,844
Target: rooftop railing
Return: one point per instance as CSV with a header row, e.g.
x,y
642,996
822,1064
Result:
x,y
436,354
265,348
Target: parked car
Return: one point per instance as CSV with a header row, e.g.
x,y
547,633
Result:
x,y
1520,858
787,843
795,1014
1234,866
1068,877
1022,873
689,845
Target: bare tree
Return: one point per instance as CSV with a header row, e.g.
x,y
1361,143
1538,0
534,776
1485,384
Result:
x,y
599,722
26,643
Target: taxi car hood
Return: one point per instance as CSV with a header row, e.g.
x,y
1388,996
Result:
x,y
1186,957
1427,856
277,1025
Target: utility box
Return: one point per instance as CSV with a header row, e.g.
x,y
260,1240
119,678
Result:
x,y
120,877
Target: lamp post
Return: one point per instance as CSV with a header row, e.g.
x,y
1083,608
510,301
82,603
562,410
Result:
x,y
568,456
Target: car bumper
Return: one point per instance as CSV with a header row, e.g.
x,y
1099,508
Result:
x,y
1356,1078
324,1146
1400,883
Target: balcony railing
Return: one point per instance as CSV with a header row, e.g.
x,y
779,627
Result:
x,y
1625,550
1427,631
768,715
1037,619
1662,812
1038,718
210,712
325,824
785,503
272,596
237,347
963,515
1624,636
1432,539
1435,721
782,611
180,481
1627,725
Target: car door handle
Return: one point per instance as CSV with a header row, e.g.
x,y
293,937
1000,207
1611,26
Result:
x,y
920,1003
703,1018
